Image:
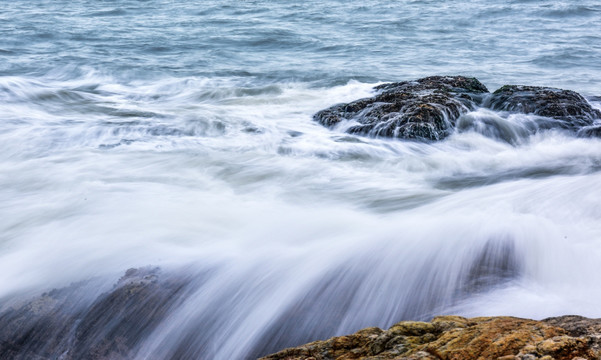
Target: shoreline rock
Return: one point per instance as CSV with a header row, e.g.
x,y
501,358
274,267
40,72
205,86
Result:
x,y
422,109
565,105
429,108
77,322
61,324
459,338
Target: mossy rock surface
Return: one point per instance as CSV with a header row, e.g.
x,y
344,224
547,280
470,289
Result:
x,y
458,338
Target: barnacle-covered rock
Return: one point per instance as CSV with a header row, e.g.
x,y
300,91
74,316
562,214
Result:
x,y
425,109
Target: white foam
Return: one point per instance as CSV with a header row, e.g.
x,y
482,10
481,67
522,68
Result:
x,y
245,183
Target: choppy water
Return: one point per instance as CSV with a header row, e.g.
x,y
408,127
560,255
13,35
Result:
x,y
179,134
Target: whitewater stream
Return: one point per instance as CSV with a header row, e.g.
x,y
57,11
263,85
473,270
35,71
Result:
x,y
180,135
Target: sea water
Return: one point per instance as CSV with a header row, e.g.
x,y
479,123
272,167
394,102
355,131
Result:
x,y
179,134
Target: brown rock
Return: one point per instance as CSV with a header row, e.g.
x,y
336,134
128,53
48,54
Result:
x,y
456,338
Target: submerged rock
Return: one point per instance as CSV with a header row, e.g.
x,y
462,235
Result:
x,y
423,109
496,263
432,108
61,324
590,131
569,107
458,338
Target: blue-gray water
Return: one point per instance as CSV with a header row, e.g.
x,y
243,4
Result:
x,y
179,134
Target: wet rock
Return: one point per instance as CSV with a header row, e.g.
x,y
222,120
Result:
x,y
432,108
327,303
455,338
40,328
63,324
424,109
590,131
496,263
569,108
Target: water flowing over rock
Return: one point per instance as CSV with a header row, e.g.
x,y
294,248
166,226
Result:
x,y
423,109
590,131
497,262
429,109
107,327
458,338
568,106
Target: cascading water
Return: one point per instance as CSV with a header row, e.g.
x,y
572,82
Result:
x,y
169,135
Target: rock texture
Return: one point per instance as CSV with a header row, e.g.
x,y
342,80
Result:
x,y
423,109
565,105
429,108
62,325
458,338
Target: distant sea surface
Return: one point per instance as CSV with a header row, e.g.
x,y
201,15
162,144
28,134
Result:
x,y
179,134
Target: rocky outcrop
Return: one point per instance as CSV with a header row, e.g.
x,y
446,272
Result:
x,y
61,324
429,108
458,338
423,109
112,325
568,106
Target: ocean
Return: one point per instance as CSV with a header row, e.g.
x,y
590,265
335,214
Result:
x,y
179,134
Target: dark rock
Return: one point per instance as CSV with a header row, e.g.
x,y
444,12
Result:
x,y
429,109
496,263
590,131
425,109
59,324
569,107
327,303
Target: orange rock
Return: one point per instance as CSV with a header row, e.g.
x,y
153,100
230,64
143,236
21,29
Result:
x,y
454,338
